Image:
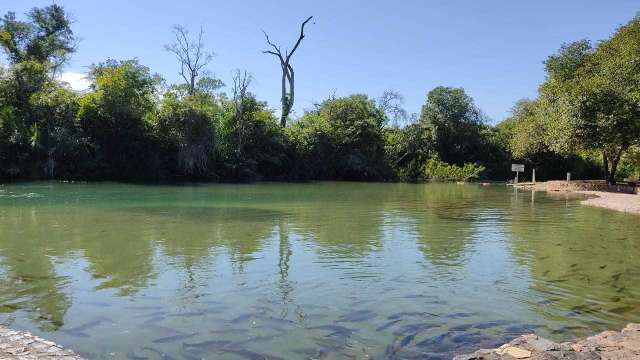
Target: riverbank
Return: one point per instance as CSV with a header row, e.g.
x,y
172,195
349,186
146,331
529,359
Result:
x,y
622,198
610,345
25,346
622,345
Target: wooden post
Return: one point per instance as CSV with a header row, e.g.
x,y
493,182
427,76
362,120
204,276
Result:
x,y
568,177
533,177
516,179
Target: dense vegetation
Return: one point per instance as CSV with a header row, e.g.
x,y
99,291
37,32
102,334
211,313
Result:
x,y
129,126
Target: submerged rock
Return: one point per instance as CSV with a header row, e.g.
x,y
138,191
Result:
x,y
623,345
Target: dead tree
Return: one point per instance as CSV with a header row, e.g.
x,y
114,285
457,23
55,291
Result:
x,y
391,103
191,55
288,78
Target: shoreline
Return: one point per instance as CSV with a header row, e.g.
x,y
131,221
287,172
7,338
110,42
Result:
x,y
623,199
619,345
19,345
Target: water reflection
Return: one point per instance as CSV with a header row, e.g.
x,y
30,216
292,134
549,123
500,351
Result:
x,y
309,270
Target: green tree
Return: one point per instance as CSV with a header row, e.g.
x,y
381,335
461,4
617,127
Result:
x,y
342,139
252,144
186,131
116,115
456,124
407,150
593,96
34,111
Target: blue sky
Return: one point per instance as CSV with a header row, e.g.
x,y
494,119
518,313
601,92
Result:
x,y
494,49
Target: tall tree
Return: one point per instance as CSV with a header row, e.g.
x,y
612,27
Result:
x,y
288,78
46,38
191,55
33,112
116,117
455,122
241,82
594,97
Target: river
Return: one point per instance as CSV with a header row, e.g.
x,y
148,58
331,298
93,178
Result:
x,y
317,270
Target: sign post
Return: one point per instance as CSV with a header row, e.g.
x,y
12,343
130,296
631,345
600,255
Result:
x,y
517,168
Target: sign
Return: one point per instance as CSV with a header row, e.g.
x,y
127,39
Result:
x,y
517,167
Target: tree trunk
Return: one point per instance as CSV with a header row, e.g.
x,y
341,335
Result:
x,y
605,161
614,167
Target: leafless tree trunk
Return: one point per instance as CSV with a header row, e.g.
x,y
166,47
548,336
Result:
x,y
191,55
288,77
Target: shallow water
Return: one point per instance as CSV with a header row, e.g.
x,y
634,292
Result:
x,y
322,270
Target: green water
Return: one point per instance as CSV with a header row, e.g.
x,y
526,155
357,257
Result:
x,y
295,271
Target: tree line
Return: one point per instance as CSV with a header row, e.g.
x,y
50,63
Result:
x,y
131,126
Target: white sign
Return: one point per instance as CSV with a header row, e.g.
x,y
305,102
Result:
x,y
517,167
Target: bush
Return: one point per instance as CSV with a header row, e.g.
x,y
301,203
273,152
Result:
x,y
437,170
343,139
186,130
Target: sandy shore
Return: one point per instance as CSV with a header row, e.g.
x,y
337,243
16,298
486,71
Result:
x,y
620,202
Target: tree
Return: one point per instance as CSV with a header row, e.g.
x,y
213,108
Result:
x,y
186,130
593,96
252,143
241,82
342,139
391,103
528,132
116,117
408,148
34,113
288,77
456,124
191,54
47,38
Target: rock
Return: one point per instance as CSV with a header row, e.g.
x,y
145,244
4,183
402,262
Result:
x,y
608,345
535,343
516,352
482,354
21,345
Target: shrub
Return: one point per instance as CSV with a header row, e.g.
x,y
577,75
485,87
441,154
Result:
x,y
437,170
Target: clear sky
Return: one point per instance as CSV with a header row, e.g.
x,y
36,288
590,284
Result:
x,y
494,49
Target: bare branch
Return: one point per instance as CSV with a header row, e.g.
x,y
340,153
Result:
x,y
299,38
288,77
190,54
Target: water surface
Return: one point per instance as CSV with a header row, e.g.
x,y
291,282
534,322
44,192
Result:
x,y
321,270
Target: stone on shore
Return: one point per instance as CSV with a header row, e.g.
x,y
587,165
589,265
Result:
x,y
23,345
608,345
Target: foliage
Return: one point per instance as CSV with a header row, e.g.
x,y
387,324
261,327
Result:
x,y
407,149
456,124
437,170
342,139
185,128
47,38
252,144
115,116
37,127
593,96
